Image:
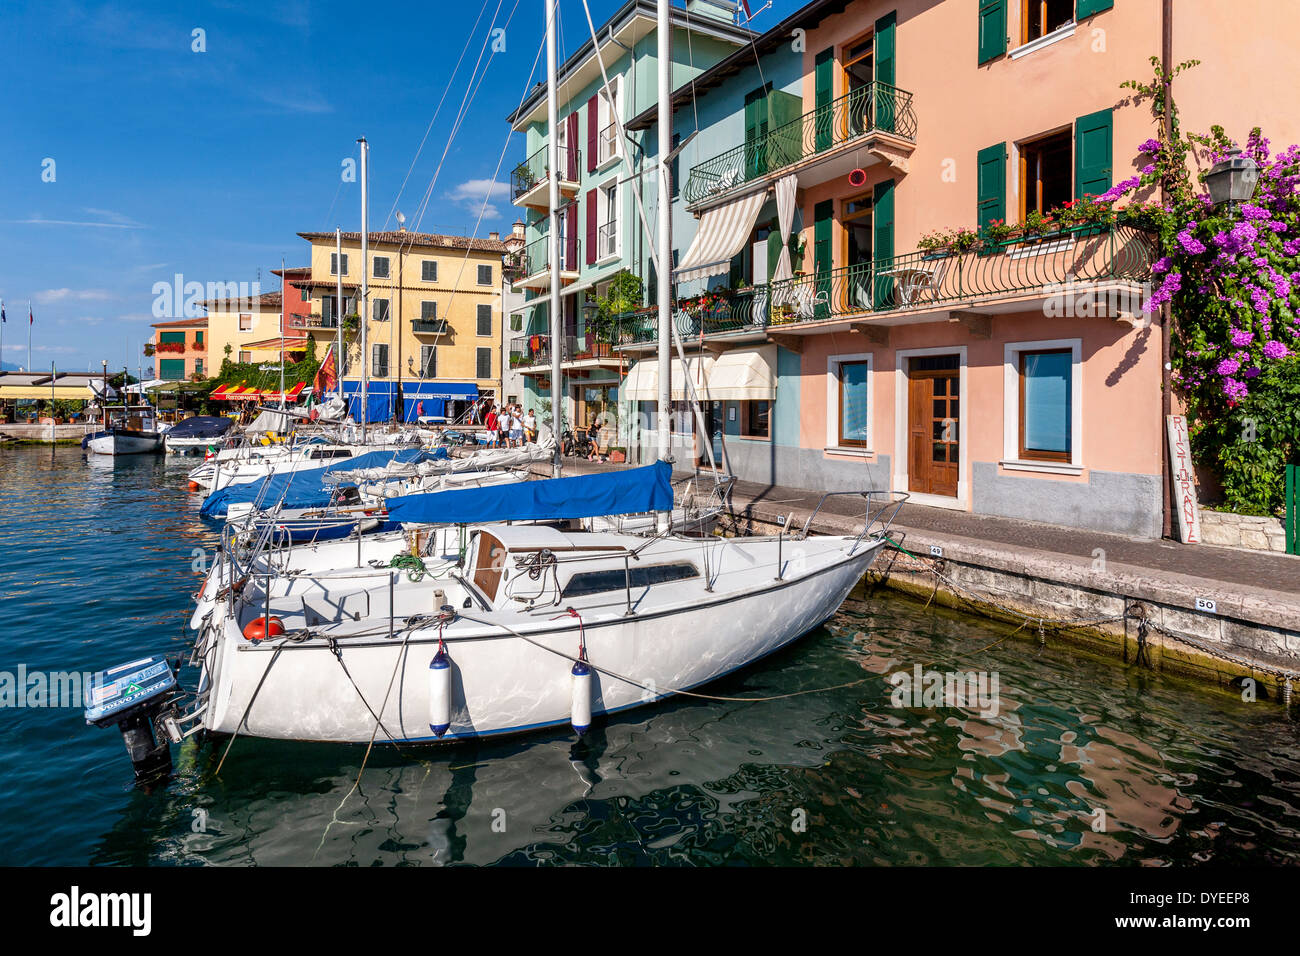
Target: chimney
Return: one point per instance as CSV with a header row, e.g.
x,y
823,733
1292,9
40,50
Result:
x,y
494,236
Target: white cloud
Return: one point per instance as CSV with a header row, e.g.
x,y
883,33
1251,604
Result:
x,y
48,296
474,193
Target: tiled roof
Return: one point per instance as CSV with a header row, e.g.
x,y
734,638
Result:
x,y
183,324
426,239
267,300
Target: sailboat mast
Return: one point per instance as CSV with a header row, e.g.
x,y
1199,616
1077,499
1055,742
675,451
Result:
x,y
553,240
663,288
282,331
338,307
365,281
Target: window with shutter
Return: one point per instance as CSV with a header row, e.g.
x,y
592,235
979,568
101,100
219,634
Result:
x,y
882,239
593,122
429,361
484,363
334,263
484,316
1093,143
992,29
379,310
429,270
822,264
428,311
484,275
824,86
591,226
379,361
885,46
381,267
991,184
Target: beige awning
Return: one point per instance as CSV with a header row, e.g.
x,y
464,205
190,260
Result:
x,y
642,383
741,375
62,392
721,234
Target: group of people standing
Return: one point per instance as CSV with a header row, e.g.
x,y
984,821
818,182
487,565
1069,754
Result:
x,y
508,427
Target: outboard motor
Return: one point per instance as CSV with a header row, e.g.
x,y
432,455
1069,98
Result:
x,y
133,696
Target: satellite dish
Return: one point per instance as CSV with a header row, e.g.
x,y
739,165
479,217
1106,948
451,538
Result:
x,y
400,218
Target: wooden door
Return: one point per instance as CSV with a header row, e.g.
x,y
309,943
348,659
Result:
x,y
933,426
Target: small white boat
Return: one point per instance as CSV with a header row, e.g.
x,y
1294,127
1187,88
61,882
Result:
x,y
197,434
137,432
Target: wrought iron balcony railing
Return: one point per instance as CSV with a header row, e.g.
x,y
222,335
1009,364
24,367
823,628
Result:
x,y
535,169
874,108
430,326
536,256
527,351
1060,265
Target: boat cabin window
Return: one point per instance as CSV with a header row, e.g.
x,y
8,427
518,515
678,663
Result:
x,y
489,562
330,453
616,579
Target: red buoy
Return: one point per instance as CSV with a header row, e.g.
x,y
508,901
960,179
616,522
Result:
x,y
194,486
858,178
257,630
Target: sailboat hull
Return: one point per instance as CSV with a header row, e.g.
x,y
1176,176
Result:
x,y
125,442
503,683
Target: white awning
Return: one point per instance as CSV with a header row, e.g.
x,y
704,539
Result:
x,y
741,375
722,233
642,383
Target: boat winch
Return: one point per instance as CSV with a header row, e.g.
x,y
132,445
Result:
x,y
137,696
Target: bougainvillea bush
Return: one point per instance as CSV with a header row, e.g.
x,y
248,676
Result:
x,y
1232,277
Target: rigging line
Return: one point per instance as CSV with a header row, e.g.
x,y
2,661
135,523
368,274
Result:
x,y
505,146
470,90
445,90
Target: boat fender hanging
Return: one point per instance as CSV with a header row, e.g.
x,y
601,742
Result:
x,y
581,709
440,692
261,628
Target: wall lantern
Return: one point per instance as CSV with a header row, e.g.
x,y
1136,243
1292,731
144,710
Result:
x,y
1232,179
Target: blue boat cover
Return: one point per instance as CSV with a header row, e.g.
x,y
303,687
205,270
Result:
x,y
306,488
582,496
382,396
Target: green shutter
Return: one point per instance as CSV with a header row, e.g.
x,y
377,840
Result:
x,y
786,137
885,46
824,84
822,215
756,120
1093,138
992,29
172,337
773,249
171,369
882,241
1086,8
991,184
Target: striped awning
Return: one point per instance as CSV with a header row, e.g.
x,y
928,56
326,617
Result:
x,y
291,343
722,233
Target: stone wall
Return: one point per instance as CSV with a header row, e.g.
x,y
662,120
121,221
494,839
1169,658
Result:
x,y
1251,532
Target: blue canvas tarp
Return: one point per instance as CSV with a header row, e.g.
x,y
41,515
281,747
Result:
x,y
305,488
583,496
381,397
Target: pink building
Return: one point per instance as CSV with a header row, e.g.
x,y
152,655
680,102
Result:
x,y
1020,377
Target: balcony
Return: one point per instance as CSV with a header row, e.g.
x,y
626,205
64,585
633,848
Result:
x,y
533,352
530,181
317,321
1090,271
430,327
820,145
536,263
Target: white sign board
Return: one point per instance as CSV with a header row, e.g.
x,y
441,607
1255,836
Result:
x,y
1184,472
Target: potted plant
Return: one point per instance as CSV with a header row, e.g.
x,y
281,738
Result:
x,y
997,232
617,454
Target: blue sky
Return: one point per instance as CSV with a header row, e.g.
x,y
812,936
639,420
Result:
x,y
167,160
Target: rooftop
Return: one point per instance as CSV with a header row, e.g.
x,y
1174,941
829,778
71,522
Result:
x,y
425,239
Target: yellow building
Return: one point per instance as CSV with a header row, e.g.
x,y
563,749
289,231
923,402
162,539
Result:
x,y
434,325
250,328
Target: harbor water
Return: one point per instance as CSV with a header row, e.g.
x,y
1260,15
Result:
x,y
1081,762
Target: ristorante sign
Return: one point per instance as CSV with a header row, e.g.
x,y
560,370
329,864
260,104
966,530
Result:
x,y
1184,473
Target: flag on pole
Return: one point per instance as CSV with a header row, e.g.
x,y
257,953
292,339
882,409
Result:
x,y
748,15
30,317
327,376
3,317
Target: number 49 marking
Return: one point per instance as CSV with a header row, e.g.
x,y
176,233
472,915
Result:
x,y
936,551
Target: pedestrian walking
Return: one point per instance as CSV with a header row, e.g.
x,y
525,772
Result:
x,y
530,427
491,423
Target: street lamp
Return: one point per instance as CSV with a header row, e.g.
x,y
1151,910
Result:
x,y
1232,179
